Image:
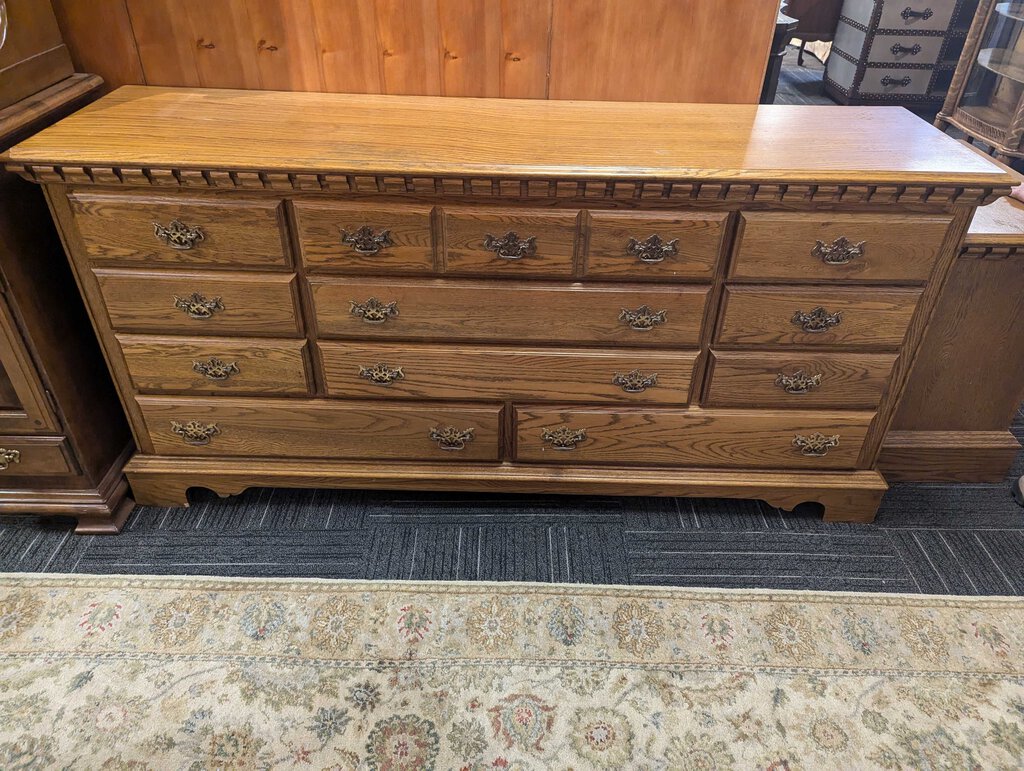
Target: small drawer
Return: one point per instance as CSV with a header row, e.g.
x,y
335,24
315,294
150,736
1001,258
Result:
x,y
792,246
293,428
906,49
799,380
201,303
916,14
405,371
34,456
549,313
359,238
665,247
216,365
694,437
884,81
817,316
509,242
146,231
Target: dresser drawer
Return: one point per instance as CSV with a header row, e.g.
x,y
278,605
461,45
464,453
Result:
x,y
150,230
916,14
790,246
402,370
509,242
817,316
798,380
906,49
216,364
695,437
200,303
656,246
361,238
465,310
292,428
887,81
34,456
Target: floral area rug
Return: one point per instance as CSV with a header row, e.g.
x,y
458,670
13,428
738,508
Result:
x,y
118,672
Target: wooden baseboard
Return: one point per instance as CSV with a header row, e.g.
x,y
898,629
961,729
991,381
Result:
x,y
948,456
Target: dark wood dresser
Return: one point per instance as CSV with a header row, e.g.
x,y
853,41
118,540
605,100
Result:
x,y
423,293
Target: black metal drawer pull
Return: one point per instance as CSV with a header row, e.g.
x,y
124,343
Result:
x,y
909,13
888,80
899,48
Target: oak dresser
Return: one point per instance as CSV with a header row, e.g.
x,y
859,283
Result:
x,y
427,293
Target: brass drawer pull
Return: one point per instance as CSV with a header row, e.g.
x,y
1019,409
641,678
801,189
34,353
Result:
x,y
373,311
7,457
381,374
215,369
652,249
799,382
818,320
510,246
643,318
450,437
816,445
563,437
899,48
178,235
909,13
196,306
194,432
365,241
635,381
839,252
903,82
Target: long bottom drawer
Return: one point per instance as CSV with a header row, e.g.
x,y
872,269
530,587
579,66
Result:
x,y
30,456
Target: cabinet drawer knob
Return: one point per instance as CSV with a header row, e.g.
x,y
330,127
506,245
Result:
x,y
365,241
899,48
196,306
816,445
903,82
909,13
818,320
178,235
510,246
799,382
839,252
450,437
635,381
195,433
373,311
643,318
564,437
381,374
7,457
215,369
652,249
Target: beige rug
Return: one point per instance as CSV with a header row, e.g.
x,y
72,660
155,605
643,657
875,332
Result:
x,y
137,672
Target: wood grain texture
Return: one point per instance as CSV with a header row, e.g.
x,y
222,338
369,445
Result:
x,y
41,456
466,230
101,40
503,373
1000,224
26,407
970,457
33,56
350,56
287,54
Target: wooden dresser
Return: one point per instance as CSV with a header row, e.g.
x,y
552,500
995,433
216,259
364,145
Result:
x,y
426,293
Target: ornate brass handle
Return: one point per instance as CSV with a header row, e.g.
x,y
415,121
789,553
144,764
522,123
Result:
x,y
196,306
652,249
365,241
7,457
215,369
373,311
450,437
381,374
909,13
643,318
178,235
888,80
816,445
510,246
635,381
899,48
799,382
818,320
564,437
194,432
839,252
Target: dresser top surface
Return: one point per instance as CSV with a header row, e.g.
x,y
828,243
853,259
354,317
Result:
x,y
296,132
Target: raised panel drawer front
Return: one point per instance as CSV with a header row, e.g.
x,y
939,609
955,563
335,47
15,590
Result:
x,y
791,246
695,437
363,238
34,456
155,230
292,428
405,371
816,316
466,310
215,364
200,303
799,380
494,242
673,245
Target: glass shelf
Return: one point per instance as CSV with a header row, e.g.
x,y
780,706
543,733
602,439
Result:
x,y
1009,64
1013,11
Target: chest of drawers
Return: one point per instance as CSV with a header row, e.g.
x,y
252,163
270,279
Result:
x,y
386,292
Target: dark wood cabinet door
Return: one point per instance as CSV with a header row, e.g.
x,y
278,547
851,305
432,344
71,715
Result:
x,y
23,402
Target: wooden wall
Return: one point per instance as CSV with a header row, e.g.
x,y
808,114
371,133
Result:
x,y
637,50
